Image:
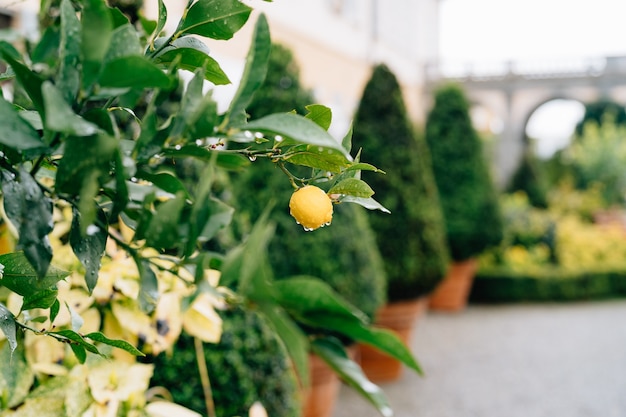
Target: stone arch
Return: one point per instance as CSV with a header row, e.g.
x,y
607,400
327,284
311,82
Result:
x,y
533,111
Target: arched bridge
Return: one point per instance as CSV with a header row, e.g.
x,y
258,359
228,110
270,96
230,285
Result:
x,y
512,91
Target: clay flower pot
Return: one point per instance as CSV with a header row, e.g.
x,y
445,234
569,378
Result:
x,y
453,291
320,397
401,317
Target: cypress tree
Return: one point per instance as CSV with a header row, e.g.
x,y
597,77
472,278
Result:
x,y
528,178
411,239
468,196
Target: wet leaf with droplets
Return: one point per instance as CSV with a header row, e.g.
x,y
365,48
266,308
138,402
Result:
x,y
20,277
334,354
30,211
89,248
8,326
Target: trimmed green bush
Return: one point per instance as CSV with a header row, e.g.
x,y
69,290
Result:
x,y
529,179
501,285
468,196
411,239
248,364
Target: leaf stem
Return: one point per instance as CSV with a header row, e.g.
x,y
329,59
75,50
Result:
x,y
204,377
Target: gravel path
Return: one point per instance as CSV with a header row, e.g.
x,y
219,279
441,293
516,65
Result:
x,y
538,360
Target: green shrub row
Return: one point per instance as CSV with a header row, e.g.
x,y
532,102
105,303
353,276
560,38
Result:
x,y
501,285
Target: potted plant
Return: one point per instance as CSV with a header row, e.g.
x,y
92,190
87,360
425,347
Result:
x,y
345,255
468,196
411,239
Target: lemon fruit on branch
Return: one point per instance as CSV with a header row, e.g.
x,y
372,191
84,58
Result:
x,y
311,207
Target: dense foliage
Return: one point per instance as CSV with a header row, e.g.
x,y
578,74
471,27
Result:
x,y
468,195
598,111
529,178
113,255
411,240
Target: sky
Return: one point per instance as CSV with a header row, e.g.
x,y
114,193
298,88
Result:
x,y
472,30
475,31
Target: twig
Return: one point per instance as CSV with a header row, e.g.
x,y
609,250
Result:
x,y
204,377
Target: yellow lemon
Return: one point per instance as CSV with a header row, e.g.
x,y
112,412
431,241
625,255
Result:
x,y
311,207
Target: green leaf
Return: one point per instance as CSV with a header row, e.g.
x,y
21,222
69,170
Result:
x,y
134,72
362,166
88,243
16,377
118,18
346,142
165,181
253,74
20,277
8,326
83,156
79,352
120,344
295,129
384,340
54,310
96,31
308,295
149,289
30,211
313,156
354,187
368,203
30,81
68,80
121,196
320,114
124,42
226,160
60,117
333,353
75,337
150,141
16,133
160,23
85,166
292,338
41,299
221,216
253,280
192,54
163,232
195,108
215,19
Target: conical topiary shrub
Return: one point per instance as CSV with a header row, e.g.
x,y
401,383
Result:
x,y
529,179
412,238
468,196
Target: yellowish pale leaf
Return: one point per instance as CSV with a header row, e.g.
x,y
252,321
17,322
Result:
x,y
168,409
201,320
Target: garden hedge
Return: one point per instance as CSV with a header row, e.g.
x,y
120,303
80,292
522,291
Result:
x,y
499,285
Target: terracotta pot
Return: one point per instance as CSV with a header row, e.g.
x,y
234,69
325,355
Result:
x,y
401,317
453,291
320,397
